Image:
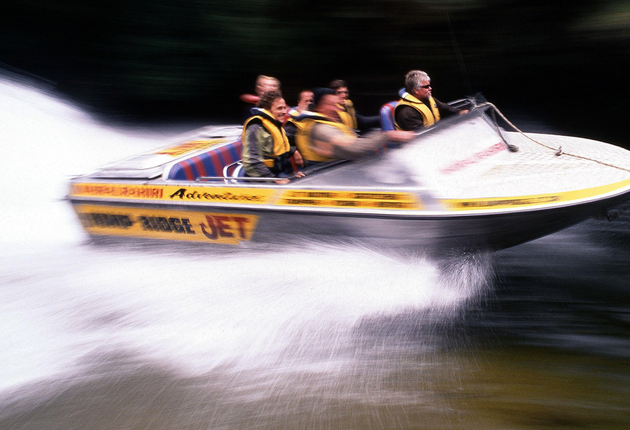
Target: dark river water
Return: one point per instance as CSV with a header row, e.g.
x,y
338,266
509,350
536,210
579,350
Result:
x,y
317,337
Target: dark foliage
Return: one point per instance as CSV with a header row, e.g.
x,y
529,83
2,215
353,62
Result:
x,y
565,61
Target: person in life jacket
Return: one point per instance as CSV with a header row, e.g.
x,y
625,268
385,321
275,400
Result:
x,y
263,84
291,125
323,137
417,108
347,113
266,149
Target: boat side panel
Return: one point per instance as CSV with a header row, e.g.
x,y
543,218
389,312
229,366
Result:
x,y
236,226
161,223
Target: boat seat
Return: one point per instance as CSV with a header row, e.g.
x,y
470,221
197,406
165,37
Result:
x,y
209,163
387,116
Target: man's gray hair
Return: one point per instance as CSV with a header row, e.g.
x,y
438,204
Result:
x,y
414,79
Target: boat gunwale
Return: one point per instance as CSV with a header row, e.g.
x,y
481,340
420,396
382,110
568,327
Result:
x,y
604,199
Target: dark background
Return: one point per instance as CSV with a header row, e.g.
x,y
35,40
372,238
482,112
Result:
x,y
564,63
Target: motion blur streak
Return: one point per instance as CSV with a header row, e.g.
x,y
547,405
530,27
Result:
x,y
45,141
72,313
308,337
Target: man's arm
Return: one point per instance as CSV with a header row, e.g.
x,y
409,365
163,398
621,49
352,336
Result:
x,y
365,123
290,129
447,110
331,142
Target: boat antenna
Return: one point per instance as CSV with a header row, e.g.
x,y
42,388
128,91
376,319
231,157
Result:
x,y
460,58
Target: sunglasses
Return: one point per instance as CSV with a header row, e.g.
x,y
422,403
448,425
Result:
x,y
425,86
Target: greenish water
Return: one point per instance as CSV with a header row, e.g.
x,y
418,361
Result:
x,y
500,388
534,337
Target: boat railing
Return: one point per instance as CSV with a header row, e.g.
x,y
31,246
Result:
x,y
230,179
237,167
465,103
476,106
232,172
235,177
235,180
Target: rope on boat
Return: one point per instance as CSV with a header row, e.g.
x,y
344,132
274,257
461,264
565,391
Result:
x,y
557,151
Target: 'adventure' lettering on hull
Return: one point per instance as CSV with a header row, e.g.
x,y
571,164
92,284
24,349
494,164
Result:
x,y
183,194
200,194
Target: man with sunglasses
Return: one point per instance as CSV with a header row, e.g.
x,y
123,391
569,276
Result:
x,y
417,108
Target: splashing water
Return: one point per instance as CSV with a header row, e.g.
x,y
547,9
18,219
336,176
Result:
x,y
45,140
62,303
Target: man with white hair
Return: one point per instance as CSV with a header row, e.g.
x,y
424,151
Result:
x,y
417,108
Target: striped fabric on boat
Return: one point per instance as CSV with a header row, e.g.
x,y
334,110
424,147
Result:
x,y
209,163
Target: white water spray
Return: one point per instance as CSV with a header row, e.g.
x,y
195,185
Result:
x,y
44,141
63,303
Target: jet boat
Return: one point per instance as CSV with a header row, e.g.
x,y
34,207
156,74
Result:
x,y
465,183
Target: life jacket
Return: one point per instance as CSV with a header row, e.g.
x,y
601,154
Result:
x,y
280,140
292,118
347,114
303,139
429,116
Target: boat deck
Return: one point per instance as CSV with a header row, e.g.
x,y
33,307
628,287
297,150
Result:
x,y
536,169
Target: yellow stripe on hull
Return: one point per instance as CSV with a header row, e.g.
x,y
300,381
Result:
x,y
350,199
173,193
534,200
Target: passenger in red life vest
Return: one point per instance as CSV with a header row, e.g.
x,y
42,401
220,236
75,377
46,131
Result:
x,y
417,108
347,113
266,149
263,84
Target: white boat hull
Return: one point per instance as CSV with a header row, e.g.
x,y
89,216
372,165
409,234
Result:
x,y
458,186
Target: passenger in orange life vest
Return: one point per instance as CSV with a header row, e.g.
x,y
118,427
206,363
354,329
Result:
x,y
323,137
266,149
417,108
348,114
